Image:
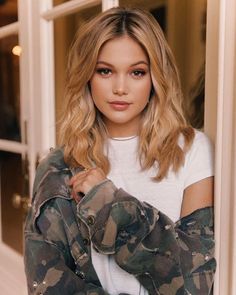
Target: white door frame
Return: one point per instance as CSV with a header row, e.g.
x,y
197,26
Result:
x,y
11,267
220,118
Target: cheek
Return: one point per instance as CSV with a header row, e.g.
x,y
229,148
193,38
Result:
x,y
98,88
94,86
98,91
144,90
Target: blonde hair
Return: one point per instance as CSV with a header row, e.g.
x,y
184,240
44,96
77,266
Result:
x,y
82,131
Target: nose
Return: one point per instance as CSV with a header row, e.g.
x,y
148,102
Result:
x,y
120,85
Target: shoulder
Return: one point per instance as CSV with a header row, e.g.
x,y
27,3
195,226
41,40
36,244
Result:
x,y
51,179
201,146
199,160
200,137
53,162
200,142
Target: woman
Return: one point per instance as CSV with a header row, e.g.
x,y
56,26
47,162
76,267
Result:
x,y
125,207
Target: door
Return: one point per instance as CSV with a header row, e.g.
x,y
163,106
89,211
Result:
x,y
14,176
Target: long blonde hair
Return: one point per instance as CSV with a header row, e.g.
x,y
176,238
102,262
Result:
x,y
82,131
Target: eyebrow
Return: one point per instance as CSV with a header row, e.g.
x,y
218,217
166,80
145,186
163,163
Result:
x,y
135,64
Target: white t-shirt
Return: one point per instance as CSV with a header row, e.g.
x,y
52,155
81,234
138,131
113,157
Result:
x,y
165,195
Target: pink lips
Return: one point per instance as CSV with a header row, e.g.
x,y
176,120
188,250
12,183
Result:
x,y
119,105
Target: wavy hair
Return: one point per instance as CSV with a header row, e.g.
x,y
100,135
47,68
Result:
x,y
82,131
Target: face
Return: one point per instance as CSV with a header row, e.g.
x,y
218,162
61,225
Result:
x,y
121,85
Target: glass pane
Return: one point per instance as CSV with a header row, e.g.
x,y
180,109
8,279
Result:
x,y
184,24
64,32
8,12
12,182
9,89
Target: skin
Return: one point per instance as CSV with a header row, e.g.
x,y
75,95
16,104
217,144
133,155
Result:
x,y
198,195
122,74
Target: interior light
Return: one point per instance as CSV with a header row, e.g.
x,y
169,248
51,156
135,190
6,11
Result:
x,y
16,50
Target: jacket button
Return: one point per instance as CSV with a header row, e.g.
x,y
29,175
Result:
x,y
90,220
142,215
35,284
207,257
86,242
168,254
81,274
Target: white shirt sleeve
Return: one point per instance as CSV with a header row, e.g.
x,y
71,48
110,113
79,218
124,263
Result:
x,y
199,162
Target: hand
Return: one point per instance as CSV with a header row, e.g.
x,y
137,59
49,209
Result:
x,y
85,180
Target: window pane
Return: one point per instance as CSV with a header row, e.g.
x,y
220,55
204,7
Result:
x,y
64,32
12,182
8,12
9,85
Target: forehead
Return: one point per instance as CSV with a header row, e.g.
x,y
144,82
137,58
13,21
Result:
x,y
123,49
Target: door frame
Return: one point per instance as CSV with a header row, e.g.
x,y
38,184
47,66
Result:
x,y
11,267
220,118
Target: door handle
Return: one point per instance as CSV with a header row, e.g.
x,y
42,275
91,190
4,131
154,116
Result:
x,y
19,202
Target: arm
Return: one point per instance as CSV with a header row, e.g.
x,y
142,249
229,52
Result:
x,y
198,195
50,268
162,255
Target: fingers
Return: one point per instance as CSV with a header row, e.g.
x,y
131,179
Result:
x,y
79,183
86,179
78,176
88,173
76,196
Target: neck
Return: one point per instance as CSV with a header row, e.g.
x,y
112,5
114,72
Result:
x,y
122,130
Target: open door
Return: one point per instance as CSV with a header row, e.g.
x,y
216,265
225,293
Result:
x,y
14,176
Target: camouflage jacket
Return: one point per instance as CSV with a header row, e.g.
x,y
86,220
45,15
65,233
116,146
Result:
x,y
167,258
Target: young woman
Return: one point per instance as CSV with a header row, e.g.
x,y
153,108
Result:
x,y
125,206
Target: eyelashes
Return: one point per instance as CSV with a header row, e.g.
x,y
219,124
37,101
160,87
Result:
x,y
103,71
139,73
106,72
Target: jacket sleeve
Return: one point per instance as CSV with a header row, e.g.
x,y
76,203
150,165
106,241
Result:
x,y
166,257
49,266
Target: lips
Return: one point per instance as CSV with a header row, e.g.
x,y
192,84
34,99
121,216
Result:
x,y
119,105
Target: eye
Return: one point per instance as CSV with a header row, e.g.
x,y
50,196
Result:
x,y
138,73
103,71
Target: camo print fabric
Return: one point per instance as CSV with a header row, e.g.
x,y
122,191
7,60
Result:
x,y
167,258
